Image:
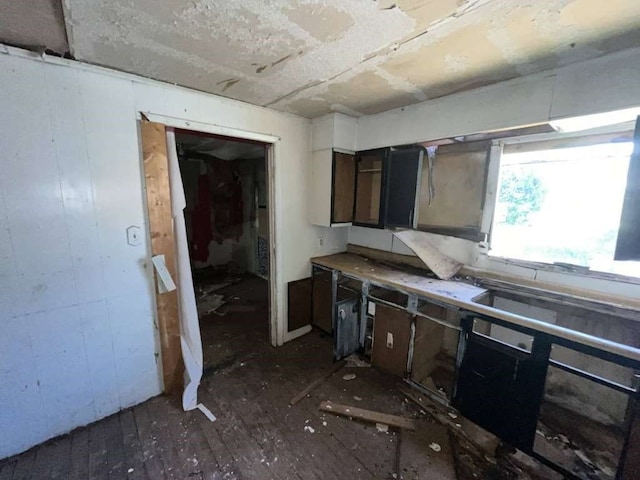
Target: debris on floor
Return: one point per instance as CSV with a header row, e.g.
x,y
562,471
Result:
x,y
316,383
349,376
418,456
381,427
367,415
209,304
354,361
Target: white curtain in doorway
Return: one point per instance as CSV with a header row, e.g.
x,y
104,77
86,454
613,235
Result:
x,y
189,327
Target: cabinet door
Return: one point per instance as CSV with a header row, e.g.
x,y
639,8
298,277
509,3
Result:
x,y
404,168
391,337
500,388
299,304
370,188
343,187
452,190
347,333
322,301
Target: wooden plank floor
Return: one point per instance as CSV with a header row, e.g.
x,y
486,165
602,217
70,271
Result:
x,y
257,435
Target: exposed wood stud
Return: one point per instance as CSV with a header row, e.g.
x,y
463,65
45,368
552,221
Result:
x,y
156,169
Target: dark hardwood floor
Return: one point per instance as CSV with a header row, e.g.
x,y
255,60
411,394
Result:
x,y
257,435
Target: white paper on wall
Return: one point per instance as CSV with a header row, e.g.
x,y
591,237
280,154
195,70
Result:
x,y
165,282
189,328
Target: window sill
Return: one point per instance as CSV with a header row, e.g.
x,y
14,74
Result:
x,y
566,269
596,291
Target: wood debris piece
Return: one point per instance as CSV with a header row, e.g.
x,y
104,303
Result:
x,y
316,383
367,415
476,440
443,266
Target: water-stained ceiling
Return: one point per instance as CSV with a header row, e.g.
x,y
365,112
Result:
x,y
311,57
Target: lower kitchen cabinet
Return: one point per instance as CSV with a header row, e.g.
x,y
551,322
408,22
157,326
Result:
x,y
322,301
391,339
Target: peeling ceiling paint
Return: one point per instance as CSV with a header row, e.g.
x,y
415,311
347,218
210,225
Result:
x,y
33,24
312,57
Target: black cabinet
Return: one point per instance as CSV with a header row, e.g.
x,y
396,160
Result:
x,y
403,177
386,184
501,387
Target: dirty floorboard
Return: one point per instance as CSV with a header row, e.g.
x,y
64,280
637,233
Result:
x,y
257,435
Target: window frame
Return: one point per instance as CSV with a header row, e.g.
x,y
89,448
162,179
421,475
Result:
x,y
491,198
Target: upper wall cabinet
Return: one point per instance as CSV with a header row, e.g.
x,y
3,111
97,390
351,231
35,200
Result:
x,y
452,190
403,178
386,184
374,188
343,187
370,188
332,179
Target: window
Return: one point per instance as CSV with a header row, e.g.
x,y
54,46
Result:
x,y
563,205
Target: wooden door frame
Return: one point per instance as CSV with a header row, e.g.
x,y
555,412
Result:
x,y
169,329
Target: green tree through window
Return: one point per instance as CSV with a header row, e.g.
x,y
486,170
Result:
x,y
522,194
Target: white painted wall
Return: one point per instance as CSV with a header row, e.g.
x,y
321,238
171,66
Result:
x,y
76,301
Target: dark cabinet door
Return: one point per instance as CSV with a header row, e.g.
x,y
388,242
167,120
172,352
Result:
x,y
322,301
404,166
299,304
500,388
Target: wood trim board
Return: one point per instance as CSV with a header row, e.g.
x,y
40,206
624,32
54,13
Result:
x,y
368,415
156,174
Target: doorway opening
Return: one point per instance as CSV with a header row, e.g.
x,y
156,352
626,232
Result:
x,y
226,186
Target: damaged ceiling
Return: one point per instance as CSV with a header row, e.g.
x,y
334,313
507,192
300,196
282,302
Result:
x,y
221,148
312,57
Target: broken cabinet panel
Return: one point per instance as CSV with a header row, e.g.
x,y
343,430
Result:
x,y
435,347
391,339
452,190
426,347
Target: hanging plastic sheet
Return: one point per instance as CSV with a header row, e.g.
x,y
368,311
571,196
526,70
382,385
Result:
x,y
189,327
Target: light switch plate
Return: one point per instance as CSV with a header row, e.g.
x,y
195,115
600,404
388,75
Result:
x,y
134,236
389,340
